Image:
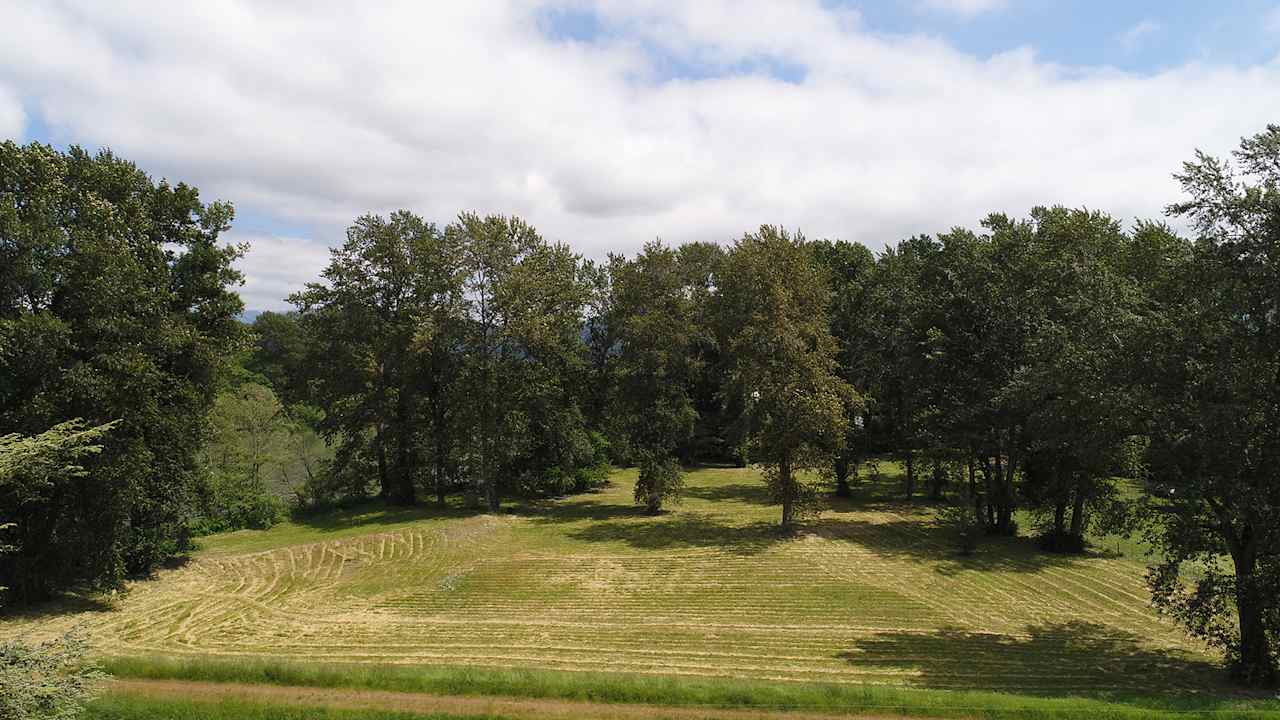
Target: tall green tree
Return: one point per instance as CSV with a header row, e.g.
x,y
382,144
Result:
x,y
1212,369
716,436
781,361
1081,311
391,298
116,302
279,355
655,323
849,268
524,353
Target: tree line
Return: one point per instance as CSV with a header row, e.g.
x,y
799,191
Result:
x,y
1093,374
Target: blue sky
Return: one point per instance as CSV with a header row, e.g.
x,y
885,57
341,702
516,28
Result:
x,y
606,123
1131,35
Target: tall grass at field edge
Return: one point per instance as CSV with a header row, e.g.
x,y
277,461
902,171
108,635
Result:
x,y
129,706
686,692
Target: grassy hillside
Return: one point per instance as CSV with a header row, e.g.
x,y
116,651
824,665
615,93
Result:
x,y
869,593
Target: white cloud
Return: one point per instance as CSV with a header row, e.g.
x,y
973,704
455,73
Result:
x,y
964,8
12,117
317,113
276,266
1133,38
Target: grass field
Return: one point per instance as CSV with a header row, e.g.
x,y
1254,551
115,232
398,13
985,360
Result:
x,y
870,593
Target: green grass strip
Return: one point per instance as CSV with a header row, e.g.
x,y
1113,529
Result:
x,y
138,707
686,692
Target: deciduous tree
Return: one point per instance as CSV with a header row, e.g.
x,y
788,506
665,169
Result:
x,y
781,361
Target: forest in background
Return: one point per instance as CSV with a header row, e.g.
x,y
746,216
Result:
x,y
1025,364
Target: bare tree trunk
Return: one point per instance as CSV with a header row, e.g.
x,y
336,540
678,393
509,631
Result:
x,y
973,486
1077,517
788,491
384,482
1059,519
1255,666
842,476
910,473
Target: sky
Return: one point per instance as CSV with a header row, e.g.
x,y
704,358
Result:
x,y
607,123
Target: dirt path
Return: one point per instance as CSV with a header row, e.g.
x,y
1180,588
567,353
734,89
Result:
x,y
523,708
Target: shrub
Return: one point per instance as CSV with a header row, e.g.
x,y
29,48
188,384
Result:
x,y
49,681
963,525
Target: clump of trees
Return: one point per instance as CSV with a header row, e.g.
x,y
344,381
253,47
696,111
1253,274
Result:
x,y
115,305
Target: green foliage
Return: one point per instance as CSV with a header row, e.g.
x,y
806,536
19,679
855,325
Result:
x,y
654,314
34,470
378,337
258,455
49,681
249,444
115,303
659,480
781,360
279,355
524,354
1210,370
963,524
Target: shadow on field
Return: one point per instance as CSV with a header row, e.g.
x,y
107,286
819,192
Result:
x,y
376,513
562,511
754,493
923,540
1052,658
685,530
69,604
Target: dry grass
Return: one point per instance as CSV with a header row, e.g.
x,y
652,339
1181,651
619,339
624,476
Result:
x,y
869,593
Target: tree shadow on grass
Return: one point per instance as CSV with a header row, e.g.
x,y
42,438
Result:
x,y
1071,658
923,540
376,513
67,604
569,511
686,530
754,493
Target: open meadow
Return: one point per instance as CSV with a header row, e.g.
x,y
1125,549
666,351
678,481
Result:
x,y
871,592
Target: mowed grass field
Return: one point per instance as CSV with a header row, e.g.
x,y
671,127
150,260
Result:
x,y
869,593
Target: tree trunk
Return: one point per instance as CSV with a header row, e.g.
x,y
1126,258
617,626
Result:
x,y
788,491
439,432
842,476
1255,665
403,492
653,506
973,485
492,500
384,482
910,473
1004,495
937,482
1077,518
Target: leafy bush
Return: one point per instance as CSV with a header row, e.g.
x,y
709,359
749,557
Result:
x,y
661,479
49,681
234,503
258,453
962,525
595,473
